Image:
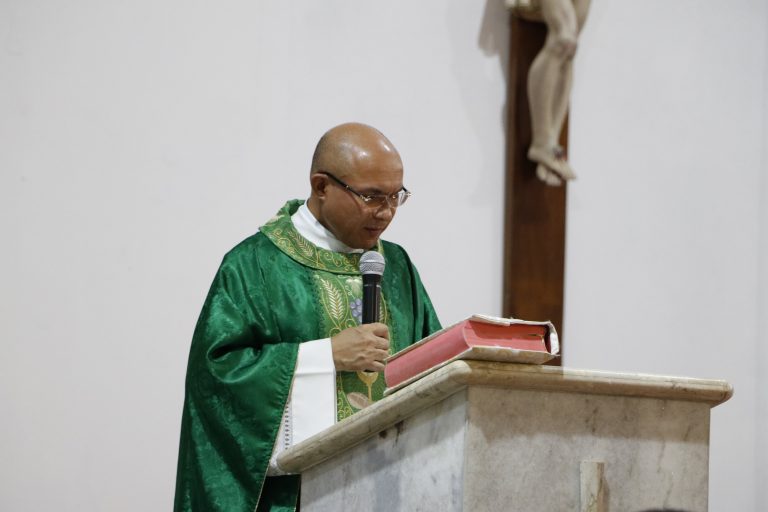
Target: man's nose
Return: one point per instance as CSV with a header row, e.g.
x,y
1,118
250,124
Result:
x,y
384,212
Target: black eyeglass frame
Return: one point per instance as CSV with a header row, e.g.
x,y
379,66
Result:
x,y
403,193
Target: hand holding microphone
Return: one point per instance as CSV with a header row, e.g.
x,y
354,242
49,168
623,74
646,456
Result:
x,y
366,346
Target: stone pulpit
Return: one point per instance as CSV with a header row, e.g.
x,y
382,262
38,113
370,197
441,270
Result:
x,y
478,435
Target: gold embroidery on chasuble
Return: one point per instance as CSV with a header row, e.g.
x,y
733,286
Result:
x,y
338,287
342,305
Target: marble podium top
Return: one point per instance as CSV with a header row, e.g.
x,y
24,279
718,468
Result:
x,y
465,373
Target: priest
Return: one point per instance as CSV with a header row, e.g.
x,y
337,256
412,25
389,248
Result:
x,y
278,353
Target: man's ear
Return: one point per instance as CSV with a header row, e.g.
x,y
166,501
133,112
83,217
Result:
x,y
318,183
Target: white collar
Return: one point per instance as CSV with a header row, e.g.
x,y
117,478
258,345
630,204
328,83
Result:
x,y
311,229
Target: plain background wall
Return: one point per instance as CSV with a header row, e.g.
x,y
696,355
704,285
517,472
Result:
x,y
761,350
142,140
139,141
664,227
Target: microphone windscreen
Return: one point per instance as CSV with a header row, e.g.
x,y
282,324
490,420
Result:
x,y
372,262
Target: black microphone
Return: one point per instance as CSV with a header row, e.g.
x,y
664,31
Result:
x,y
372,267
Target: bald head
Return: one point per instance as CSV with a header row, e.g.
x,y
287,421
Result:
x,y
346,149
368,164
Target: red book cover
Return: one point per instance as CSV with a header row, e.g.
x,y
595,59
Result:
x,y
471,336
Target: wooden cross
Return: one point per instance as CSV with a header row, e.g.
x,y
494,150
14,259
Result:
x,y
534,214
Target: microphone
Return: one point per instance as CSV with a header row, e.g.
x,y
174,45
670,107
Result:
x,y
372,267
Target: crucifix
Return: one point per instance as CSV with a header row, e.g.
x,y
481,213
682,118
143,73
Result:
x,y
543,37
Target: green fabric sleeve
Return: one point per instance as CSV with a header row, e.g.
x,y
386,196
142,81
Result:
x,y
238,379
429,321
413,316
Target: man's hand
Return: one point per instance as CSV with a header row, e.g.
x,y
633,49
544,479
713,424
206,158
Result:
x,y
361,348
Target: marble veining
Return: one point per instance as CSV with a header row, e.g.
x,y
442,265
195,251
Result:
x,y
460,374
477,436
655,452
417,464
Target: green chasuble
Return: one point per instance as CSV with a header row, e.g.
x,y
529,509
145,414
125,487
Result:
x,y
273,291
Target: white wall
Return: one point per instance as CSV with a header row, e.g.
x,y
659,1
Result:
x,y
141,140
761,346
664,225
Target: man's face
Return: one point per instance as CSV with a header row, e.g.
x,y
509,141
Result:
x,y
345,214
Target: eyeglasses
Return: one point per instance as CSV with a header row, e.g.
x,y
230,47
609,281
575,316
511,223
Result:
x,y
376,200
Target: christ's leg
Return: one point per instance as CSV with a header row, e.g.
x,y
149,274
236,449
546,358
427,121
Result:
x,y
548,81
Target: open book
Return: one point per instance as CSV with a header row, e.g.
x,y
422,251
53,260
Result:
x,y
479,337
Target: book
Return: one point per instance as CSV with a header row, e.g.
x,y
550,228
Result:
x,y
480,337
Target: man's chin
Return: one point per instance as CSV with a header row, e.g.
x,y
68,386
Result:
x,y
364,243
366,239
371,237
